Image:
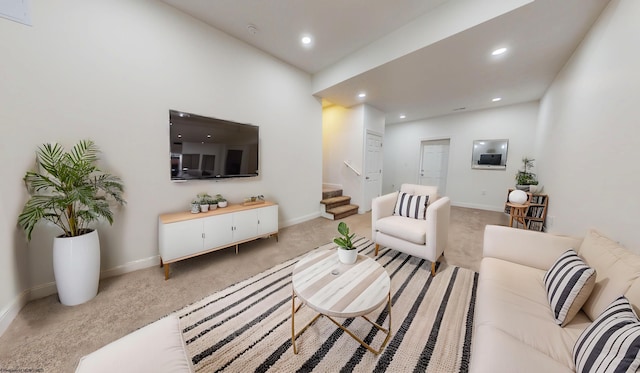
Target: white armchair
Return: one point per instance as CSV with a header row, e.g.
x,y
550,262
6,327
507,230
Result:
x,y
425,239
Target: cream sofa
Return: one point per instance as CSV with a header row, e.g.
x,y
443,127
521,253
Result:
x,y
514,330
157,347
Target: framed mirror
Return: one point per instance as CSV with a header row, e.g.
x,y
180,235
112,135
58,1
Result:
x,y
490,154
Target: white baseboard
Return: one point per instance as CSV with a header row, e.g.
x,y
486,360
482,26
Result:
x,y
479,207
131,266
299,220
8,313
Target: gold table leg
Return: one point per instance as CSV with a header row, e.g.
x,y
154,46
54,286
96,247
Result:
x,y
295,335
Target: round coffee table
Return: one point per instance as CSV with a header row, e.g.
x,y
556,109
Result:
x,y
334,289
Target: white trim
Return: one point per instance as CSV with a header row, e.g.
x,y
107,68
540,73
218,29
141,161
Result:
x,y
131,266
42,290
299,220
10,312
477,206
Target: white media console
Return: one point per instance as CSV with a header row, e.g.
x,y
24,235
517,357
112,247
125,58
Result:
x,y
183,235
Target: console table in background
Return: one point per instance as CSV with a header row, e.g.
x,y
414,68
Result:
x,y
183,235
536,216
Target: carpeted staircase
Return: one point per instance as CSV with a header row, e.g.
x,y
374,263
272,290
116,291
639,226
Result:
x,y
335,205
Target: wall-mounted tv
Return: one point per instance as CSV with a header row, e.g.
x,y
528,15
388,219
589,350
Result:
x,y
210,148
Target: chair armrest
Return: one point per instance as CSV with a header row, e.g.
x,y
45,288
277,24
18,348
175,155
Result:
x,y
381,207
437,220
531,248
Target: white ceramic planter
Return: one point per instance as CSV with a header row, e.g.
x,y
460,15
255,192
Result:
x,y
204,208
222,204
76,267
347,256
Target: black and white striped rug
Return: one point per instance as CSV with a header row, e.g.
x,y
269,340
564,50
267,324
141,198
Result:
x,y
247,326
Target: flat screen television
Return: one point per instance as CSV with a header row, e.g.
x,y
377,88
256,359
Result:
x,y
490,159
210,148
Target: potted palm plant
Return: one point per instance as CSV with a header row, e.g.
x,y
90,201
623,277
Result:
x,y
347,253
70,191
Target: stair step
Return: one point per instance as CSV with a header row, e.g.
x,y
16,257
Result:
x,y
334,202
330,193
343,211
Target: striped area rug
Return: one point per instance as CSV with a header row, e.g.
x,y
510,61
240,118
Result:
x,y
247,326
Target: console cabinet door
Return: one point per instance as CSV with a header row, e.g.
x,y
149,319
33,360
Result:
x,y
268,220
217,231
180,239
245,224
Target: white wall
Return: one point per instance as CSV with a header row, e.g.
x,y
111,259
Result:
x,y
465,186
342,140
344,132
110,70
588,137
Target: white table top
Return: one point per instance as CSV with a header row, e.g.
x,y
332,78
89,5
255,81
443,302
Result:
x,y
335,289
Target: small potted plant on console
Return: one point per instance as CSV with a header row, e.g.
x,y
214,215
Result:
x,y
347,253
203,200
222,202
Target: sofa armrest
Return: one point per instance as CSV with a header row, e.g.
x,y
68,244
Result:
x,y
531,248
381,207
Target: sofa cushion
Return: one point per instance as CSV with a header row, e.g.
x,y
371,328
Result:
x,y
616,269
157,347
611,343
512,305
412,230
411,206
568,284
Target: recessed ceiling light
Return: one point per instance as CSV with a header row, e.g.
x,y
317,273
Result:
x,y
402,116
498,51
306,40
362,95
496,99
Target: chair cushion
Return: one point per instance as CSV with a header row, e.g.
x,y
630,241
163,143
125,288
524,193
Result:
x,y
412,230
568,284
411,206
611,343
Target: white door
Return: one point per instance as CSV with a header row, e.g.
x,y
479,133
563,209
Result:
x,y
434,164
373,169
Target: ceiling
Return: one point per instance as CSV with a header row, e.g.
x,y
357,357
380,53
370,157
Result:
x,y
421,58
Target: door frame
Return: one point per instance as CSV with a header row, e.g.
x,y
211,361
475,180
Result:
x,y
427,139
364,171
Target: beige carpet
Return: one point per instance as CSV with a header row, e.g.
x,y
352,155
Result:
x,y
50,337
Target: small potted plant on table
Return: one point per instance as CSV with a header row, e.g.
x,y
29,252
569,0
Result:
x,y
347,253
525,178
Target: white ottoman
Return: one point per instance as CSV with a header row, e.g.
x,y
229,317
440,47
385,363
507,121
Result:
x,y
157,347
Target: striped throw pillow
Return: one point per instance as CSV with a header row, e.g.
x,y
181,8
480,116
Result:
x,y
611,343
411,206
568,284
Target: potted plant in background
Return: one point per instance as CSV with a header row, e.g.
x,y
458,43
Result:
x,y
347,253
204,200
72,192
222,202
525,178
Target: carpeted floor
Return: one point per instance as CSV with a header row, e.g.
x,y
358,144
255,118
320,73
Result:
x,y
49,337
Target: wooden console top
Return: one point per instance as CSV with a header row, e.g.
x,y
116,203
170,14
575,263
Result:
x,y
187,215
